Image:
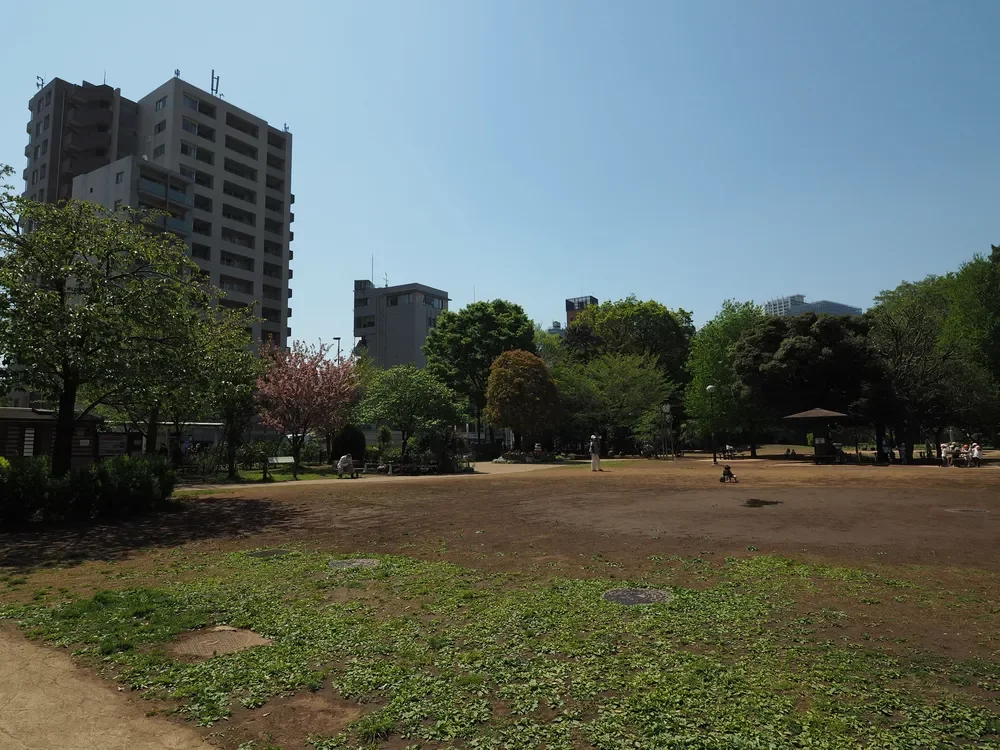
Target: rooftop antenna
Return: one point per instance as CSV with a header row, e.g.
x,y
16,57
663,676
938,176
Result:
x,y
105,76
39,82
215,83
177,72
286,127
373,270
386,280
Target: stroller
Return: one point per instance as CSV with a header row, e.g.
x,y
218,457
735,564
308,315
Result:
x,y
727,475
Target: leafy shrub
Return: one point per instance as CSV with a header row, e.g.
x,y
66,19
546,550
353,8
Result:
x,y
372,454
24,489
116,488
350,440
313,451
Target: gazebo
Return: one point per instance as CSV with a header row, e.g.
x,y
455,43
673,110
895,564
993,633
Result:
x,y
820,420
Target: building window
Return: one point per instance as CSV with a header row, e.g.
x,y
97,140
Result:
x,y
38,128
34,177
45,123
160,126
361,301
161,103
119,178
187,172
45,146
48,98
201,251
41,173
36,152
431,322
365,321
190,102
100,152
436,302
41,195
159,151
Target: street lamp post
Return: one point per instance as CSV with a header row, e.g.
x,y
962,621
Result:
x,y
711,401
337,339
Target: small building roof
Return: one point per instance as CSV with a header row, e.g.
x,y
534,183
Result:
x,y
818,414
21,414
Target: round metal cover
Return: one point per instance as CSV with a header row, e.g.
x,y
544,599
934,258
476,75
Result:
x,y
637,596
358,563
269,553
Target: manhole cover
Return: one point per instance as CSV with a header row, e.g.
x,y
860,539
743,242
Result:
x,y
752,502
269,553
205,644
967,510
360,563
637,596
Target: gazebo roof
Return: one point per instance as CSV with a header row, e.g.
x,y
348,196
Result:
x,y
818,414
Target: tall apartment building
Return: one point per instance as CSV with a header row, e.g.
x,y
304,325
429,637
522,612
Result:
x,y
575,305
393,322
796,304
222,174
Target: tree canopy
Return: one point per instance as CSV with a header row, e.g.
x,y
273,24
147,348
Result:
x,y
521,394
734,407
633,326
410,400
463,345
93,300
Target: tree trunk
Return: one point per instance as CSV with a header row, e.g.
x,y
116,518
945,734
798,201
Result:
x,y
296,452
479,418
517,441
62,451
329,448
753,441
879,440
152,431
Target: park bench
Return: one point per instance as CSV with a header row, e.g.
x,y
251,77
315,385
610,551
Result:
x,y
276,460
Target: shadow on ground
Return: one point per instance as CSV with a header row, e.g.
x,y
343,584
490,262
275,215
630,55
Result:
x,y
194,520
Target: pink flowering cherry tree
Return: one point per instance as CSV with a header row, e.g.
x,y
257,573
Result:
x,y
302,390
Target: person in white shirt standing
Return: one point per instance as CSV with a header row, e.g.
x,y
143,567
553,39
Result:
x,y
595,453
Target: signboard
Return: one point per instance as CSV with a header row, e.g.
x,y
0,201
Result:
x,y
112,444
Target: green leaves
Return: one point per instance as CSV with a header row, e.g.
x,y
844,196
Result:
x,y
409,400
521,394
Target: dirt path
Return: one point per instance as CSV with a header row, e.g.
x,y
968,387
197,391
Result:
x,y
47,702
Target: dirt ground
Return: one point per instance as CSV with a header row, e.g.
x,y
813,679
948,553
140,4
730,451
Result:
x,y
554,521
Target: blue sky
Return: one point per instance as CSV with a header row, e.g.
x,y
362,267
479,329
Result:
x,y
535,150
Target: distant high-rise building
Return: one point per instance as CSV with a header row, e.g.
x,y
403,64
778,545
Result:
x,y
221,174
393,321
796,304
556,329
575,305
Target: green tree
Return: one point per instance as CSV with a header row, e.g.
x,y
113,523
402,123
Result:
x,y
464,344
410,400
797,363
89,299
521,394
734,408
633,326
610,393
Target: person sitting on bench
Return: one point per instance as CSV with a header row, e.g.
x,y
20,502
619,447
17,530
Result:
x,y
727,475
346,466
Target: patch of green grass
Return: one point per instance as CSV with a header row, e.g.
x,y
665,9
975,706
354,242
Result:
x,y
475,659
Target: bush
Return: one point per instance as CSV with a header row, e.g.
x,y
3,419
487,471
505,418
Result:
x,y
350,440
372,454
24,489
313,451
116,488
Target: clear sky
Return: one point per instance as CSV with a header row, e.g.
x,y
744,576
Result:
x,y
535,150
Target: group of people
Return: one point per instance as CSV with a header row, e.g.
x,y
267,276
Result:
x,y
953,454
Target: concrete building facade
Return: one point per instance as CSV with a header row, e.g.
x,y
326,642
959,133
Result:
x,y
575,305
392,322
796,304
223,175
74,129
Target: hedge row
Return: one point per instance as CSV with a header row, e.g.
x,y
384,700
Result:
x,y
115,488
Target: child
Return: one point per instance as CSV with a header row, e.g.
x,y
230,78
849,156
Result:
x,y
727,475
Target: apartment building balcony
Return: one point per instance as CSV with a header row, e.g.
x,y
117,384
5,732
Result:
x,y
86,140
178,196
82,118
156,189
